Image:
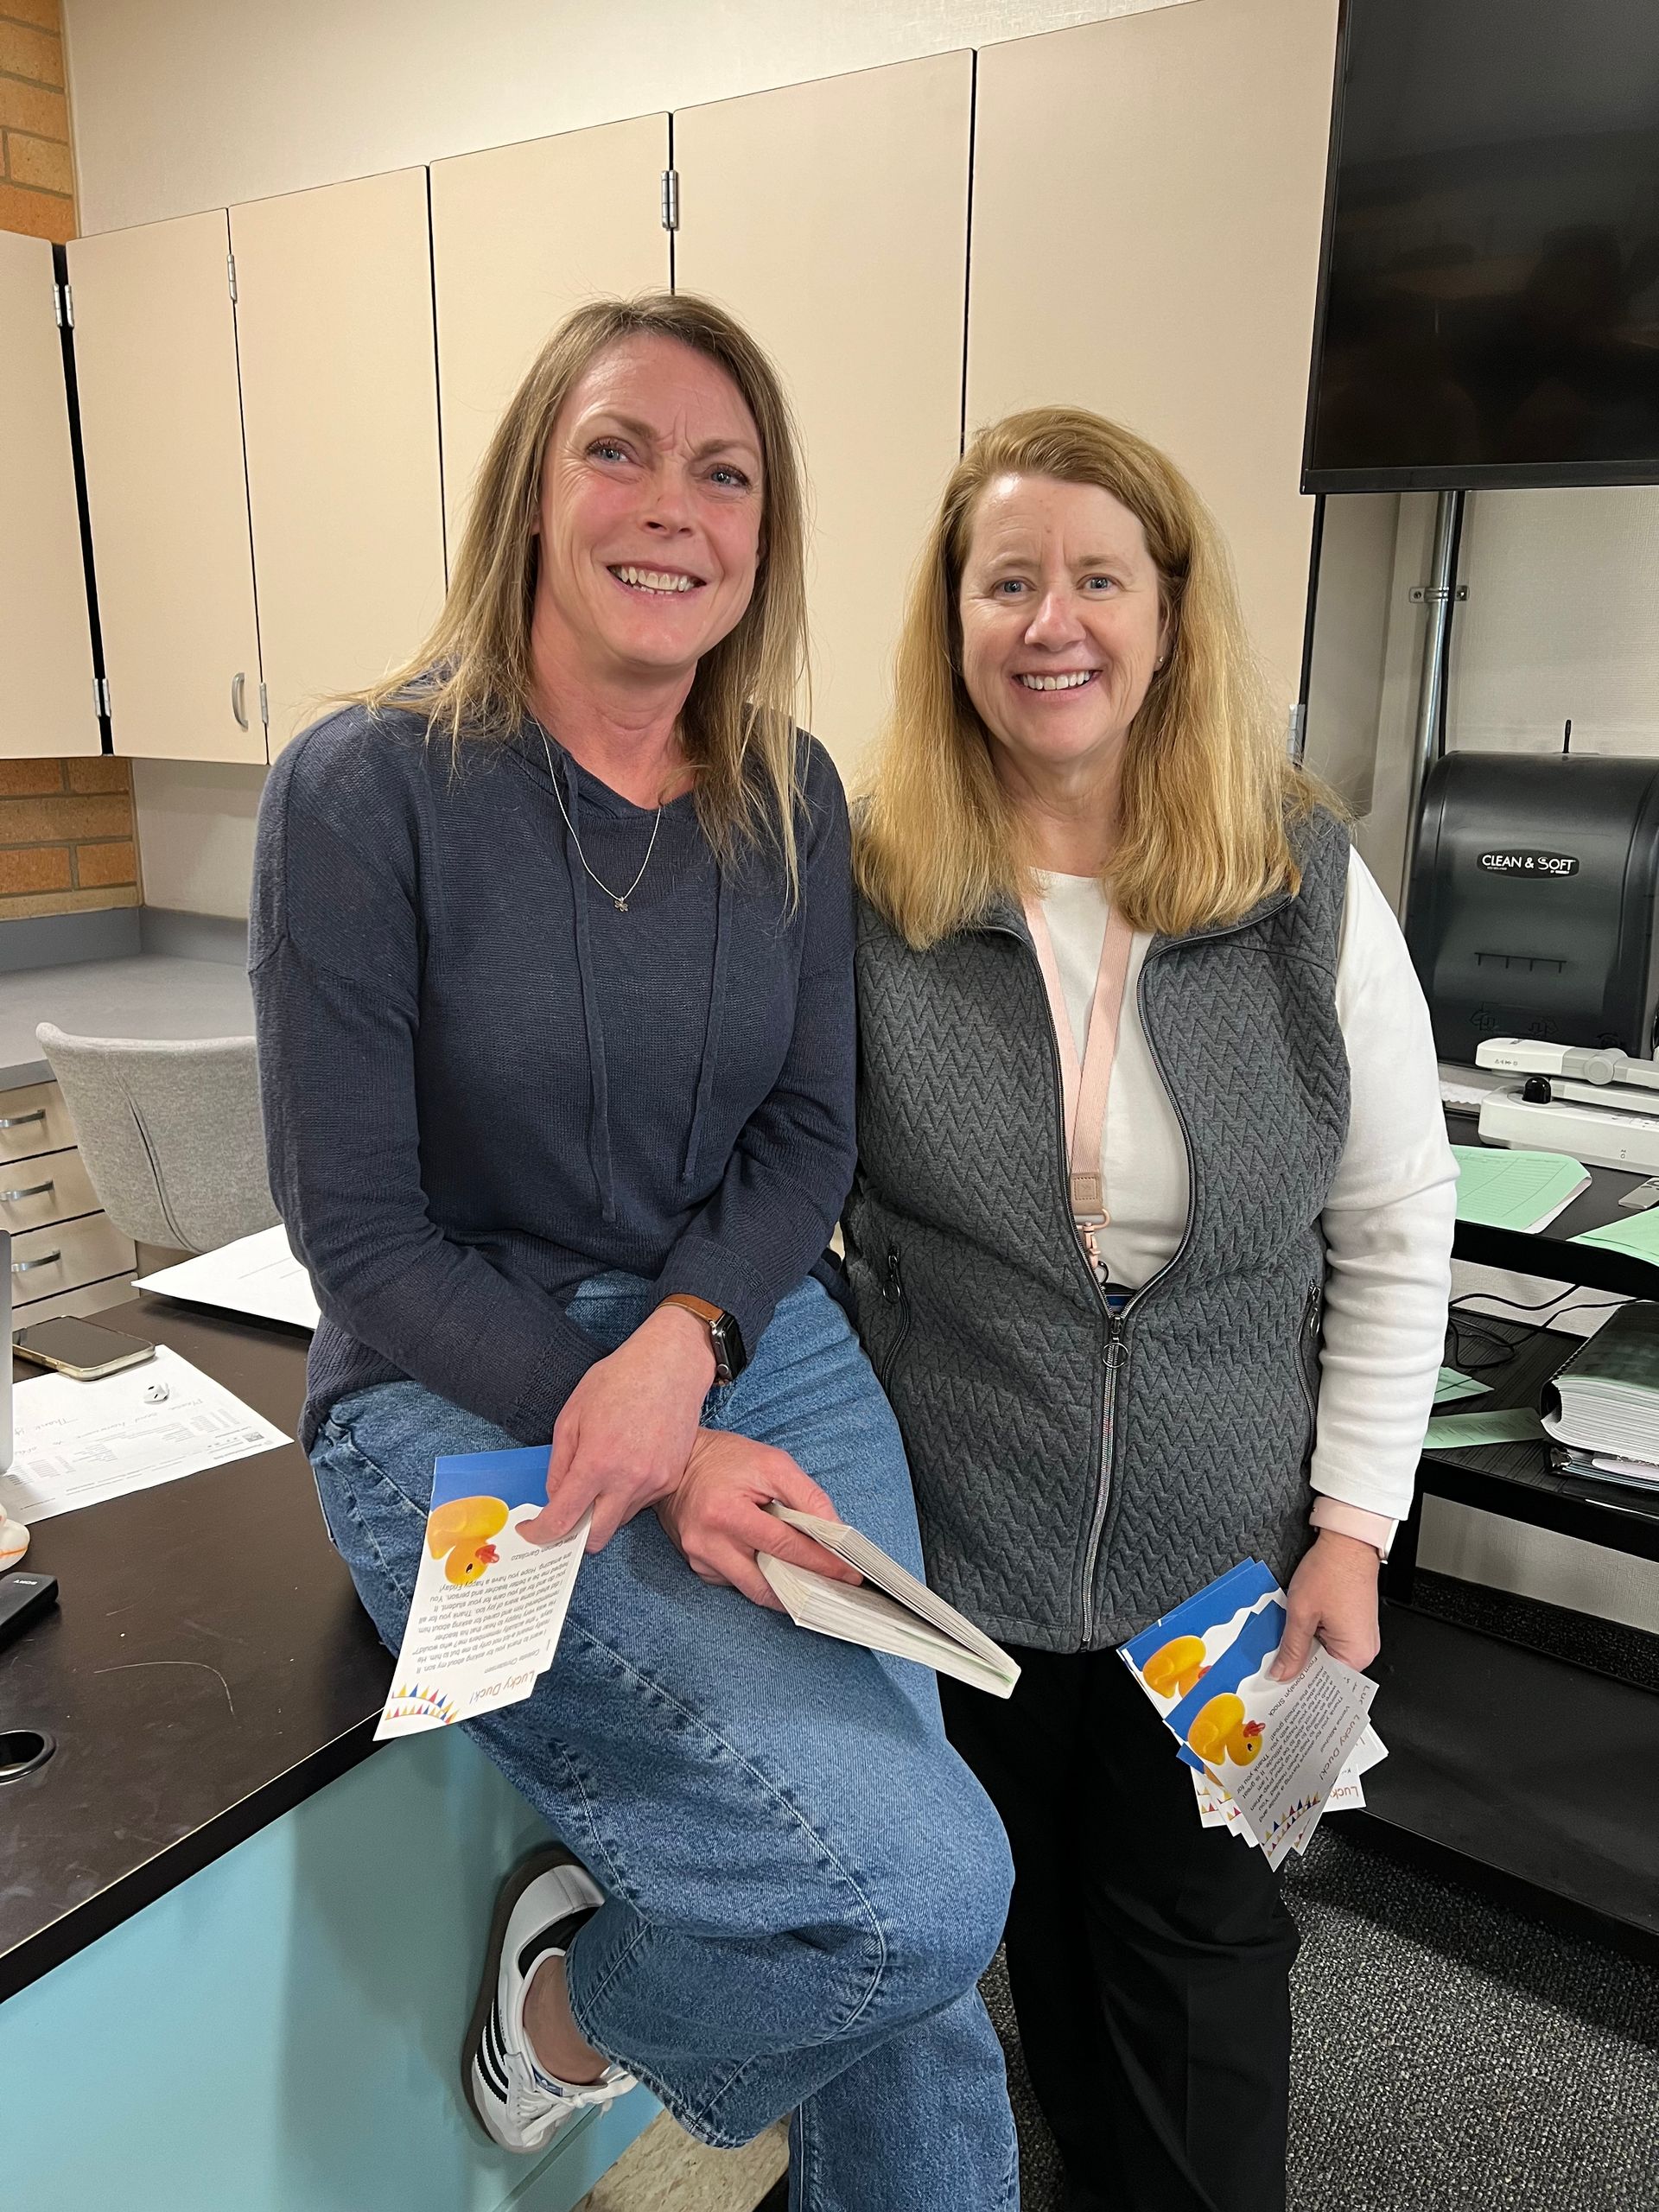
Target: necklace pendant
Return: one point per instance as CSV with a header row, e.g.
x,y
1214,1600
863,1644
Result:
x,y
621,906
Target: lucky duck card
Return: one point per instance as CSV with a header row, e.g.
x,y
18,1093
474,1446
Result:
x,y
489,1604
1276,1750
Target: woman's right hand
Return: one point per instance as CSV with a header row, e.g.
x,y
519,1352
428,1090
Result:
x,y
626,1430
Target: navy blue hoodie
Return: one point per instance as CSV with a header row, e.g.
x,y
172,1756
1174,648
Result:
x,y
483,1082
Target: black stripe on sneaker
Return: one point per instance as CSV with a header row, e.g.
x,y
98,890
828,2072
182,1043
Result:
x,y
489,2063
557,1936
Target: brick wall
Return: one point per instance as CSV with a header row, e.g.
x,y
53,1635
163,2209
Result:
x,y
66,836
37,179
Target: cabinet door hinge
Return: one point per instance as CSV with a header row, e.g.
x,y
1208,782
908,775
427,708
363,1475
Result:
x,y
101,695
230,275
671,200
66,306
264,706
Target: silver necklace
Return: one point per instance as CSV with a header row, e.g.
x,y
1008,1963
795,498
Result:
x,y
617,898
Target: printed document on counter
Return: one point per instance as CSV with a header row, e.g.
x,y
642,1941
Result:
x,y
256,1274
78,1443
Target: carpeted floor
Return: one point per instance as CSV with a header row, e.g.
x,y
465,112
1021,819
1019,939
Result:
x,y
1450,2056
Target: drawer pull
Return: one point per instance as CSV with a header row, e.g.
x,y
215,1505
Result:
x,y
27,1267
23,1121
31,1190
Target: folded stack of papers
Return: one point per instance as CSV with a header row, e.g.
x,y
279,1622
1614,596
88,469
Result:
x,y
1601,1408
889,1611
1268,1759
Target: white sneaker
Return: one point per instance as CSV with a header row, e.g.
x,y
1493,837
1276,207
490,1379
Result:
x,y
543,1903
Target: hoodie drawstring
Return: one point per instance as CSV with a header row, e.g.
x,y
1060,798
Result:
x,y
599,1105
711,1026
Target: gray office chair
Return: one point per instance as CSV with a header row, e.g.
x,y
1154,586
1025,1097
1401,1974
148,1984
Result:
x,y
169,1134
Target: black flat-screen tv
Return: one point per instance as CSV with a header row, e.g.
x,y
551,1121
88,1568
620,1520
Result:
x,y
1489,292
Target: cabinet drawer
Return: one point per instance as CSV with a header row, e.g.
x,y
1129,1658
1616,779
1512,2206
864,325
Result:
x,y
62,1258
54,1187
91,1298
34,1119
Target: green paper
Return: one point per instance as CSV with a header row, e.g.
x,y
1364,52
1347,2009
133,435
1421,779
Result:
x,y
1452,1384
1635,1233
1513,1190
1510,1425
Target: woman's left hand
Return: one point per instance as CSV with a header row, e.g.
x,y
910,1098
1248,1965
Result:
x,y
1332,1596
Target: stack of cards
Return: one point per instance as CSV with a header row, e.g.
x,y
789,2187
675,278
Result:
x,y
1267,1758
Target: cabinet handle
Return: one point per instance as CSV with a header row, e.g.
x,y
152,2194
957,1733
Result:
x,y
31,1191
27,1267
238,685
21,1120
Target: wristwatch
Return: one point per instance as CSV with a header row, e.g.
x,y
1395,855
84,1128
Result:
x,y
730,1358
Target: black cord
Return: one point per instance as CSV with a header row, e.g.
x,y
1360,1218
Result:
x,y
1593,1305
1460,1327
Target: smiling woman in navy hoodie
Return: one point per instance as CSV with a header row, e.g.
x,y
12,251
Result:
x,y
551,946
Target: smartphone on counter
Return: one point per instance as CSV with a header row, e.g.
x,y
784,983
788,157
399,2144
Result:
x,y
83,1349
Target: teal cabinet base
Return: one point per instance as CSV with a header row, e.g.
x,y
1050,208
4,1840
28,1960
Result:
x,y
280,2033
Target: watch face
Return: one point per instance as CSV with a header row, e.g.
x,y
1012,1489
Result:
x,y
729,1348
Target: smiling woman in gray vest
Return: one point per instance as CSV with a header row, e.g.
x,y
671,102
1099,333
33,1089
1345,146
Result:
x,y
1149,1243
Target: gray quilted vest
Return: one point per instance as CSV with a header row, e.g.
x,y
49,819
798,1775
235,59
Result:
x,y
1078,1472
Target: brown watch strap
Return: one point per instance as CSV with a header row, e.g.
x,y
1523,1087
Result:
x,y
705,1313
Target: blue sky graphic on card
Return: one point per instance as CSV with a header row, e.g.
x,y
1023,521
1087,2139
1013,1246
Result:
x,y
478,1498
516,1478
1208,1645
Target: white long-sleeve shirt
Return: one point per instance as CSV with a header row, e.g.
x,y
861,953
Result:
x,y
1388,1215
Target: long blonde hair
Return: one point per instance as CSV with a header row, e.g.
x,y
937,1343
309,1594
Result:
x,y
1206,788
472,679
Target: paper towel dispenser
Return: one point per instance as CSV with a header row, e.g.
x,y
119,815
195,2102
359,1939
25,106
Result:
x,y
1531,910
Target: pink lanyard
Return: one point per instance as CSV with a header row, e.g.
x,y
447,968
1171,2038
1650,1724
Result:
x,y
1084,1082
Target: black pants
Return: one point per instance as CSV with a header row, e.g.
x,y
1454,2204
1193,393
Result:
x,y
1149,1957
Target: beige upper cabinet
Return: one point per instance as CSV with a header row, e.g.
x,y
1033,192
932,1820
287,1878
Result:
x,y
46,649
162,425
833,219
521,235
339,410
1147,198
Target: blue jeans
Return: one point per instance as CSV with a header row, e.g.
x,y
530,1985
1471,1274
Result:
x,y
802,1882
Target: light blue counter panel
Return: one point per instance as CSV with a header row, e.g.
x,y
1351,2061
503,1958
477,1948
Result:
x,y
280,2034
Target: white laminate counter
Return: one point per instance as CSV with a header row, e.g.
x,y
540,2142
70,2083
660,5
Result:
x,y
149,994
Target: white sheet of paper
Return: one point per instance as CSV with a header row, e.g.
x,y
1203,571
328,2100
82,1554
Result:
x,y
79,1443
256,1274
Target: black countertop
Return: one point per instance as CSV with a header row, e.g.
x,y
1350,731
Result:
x,y
1551,1252
208,1668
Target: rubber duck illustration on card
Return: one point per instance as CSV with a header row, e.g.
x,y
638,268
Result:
x,y
461,1533
1223,1730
